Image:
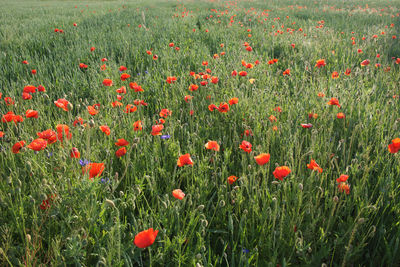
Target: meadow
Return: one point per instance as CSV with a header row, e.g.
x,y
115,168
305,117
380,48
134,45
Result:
x,y
200,133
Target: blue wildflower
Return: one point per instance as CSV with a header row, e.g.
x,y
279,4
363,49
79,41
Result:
x,y
84,162
165,136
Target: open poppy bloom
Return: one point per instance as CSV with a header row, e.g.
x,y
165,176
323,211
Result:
x,y
165,113
320,63
62,103
122,142
344,187
184,160
262,159
178,194
340,115
365,63
314,166
125,76
105,129
29,89
145,238
107,82
171,79
334,102
38,144
130,108
232,179
49,135
281,172
394,147
94,169
245,146
92,110
30,113
306,125
233,101
17,147
137,126
212,107
342,178
212,145
156,129
63,131
120,152
223,107
75,153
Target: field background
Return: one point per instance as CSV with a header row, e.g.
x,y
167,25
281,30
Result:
x,y
258,221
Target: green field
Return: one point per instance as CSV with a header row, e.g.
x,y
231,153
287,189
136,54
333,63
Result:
x,y
301,81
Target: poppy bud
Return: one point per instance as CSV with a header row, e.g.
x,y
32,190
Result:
x,y
245,211
70,106
335,199
28,238
301,187
198,256
222,203
200,207
110,203
91,123
361,221
204,223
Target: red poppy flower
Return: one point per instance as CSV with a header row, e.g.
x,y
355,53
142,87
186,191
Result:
x,y
212,145
94,169
334,102
234,73
49,135
122,142
394,147
30,113
347,72
243,73
92,49
306,125
156,129
9,101
286,72
223,107
83,66
165,113
75,153
137,126
120,152
38,144
320,63
232,179
145,238
365,63
33,71
26,96
107,82
41,88
340,115
314,166
17,147
62,103
342,178
130,108
184,160
171,79
92,110
63,131
233,101
262,159
344,187
281,172
29,89
246,146
125,76
105,129
178,194
335,75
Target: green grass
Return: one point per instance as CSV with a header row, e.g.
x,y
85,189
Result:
x,y
257,221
